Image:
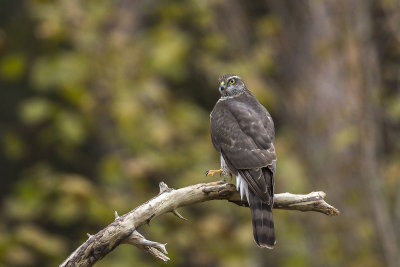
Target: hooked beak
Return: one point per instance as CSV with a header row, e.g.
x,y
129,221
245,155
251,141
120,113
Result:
x,y
222,87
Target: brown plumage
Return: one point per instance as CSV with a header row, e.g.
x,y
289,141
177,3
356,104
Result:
x,y
243,132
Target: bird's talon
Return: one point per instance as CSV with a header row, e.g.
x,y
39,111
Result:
x,y
213,172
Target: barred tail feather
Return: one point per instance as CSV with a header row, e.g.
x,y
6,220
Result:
x,y
263,223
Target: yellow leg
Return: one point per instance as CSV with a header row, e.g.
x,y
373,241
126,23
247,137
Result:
x,y
213,172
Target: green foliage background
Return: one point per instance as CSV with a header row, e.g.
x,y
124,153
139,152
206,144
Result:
x,y
101,100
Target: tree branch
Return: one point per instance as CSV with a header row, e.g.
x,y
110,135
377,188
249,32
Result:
x,y
124,228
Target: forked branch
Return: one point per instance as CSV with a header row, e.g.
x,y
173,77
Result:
x,y
124,228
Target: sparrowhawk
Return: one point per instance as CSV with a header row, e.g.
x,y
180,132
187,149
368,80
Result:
x,y
243,132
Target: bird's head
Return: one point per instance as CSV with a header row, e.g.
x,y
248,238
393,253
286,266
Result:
x,y
230,85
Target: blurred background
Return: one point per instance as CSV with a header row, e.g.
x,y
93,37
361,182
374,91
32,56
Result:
x,y
101,100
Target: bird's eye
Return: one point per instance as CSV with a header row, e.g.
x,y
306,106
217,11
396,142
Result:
x,y
231,81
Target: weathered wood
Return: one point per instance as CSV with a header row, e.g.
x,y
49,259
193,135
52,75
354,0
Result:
x,y
124,228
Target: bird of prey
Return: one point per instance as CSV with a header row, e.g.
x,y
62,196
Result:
x,y
243,132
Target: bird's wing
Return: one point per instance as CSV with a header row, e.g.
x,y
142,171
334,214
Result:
x,y
241,129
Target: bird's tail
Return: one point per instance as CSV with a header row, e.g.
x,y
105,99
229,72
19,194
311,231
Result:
x,y
263,222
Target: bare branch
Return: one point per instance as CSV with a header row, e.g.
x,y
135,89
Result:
x,y
313,201
177,214
156,249
123,229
